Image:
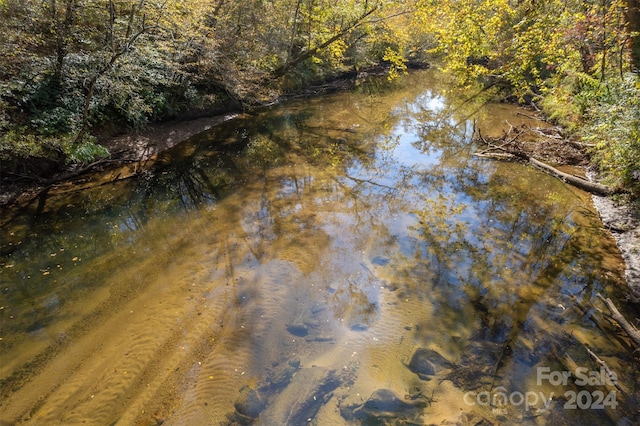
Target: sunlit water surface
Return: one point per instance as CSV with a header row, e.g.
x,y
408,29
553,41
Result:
x,y
338,260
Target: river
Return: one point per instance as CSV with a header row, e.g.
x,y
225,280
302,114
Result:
x,y
337,260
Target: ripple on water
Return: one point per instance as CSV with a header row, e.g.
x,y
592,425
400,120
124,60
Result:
x,y
318,277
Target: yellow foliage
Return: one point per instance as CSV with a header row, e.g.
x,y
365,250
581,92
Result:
x,y
525,43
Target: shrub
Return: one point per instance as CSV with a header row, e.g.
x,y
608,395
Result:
x,y
613,124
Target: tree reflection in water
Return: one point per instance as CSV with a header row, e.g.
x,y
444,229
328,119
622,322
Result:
x,y
344,231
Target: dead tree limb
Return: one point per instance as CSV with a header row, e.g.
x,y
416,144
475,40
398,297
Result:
x,y
581,145
592,187
505,346
495,155
629,328
507,144
531,117
610,374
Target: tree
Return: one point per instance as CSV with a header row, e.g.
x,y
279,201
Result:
x,y
339,30
126,24
633,22
526,43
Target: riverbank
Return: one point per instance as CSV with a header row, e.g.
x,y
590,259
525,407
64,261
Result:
x,y
135,148
623,221
138,150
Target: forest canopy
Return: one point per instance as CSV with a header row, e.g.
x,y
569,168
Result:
x,y
74,69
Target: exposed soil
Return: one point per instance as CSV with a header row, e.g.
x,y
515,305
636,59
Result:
x,y
623,221
138,147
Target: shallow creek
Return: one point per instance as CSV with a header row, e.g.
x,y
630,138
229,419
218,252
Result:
x,y
331,261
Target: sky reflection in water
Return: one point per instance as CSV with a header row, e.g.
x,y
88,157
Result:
x,y
342,232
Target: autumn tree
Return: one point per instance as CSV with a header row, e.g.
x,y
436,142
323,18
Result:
x,y
633,20
527,42
73,66
572,57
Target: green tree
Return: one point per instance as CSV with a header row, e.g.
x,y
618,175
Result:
x,y
633,21
572,56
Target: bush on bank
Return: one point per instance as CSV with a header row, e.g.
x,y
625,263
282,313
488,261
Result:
x,y
73,69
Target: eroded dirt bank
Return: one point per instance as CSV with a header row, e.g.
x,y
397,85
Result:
x,y
134,149
623,220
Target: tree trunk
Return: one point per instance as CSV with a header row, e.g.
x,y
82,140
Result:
x,y
629,328
129,40
633,26
281,71
63,33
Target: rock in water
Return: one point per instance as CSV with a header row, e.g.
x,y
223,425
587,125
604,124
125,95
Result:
x,y
301,400
427,362
380,260
249,405
382,405
253,399
384,401
299,330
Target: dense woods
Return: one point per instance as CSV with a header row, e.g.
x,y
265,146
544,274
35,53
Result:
x,y
73,70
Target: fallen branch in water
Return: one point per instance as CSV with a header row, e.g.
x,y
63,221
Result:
x,y
510,147
629,328
592,187
531,117
495,155
505,347
610,374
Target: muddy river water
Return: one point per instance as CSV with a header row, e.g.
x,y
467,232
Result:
x,y
340,260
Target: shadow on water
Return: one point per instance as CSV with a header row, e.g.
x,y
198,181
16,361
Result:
x,y
343,259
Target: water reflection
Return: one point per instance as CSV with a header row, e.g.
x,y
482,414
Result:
x,y
347,250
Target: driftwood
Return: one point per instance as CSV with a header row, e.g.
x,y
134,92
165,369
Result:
x,y
610,374
628,328
512,148
600,319
615,414
581,145
592,187
578,182
496,155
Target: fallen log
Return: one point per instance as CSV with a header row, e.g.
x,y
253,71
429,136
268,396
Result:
x,y
508,145
592,187
495,155
602,320
631,331
610,374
